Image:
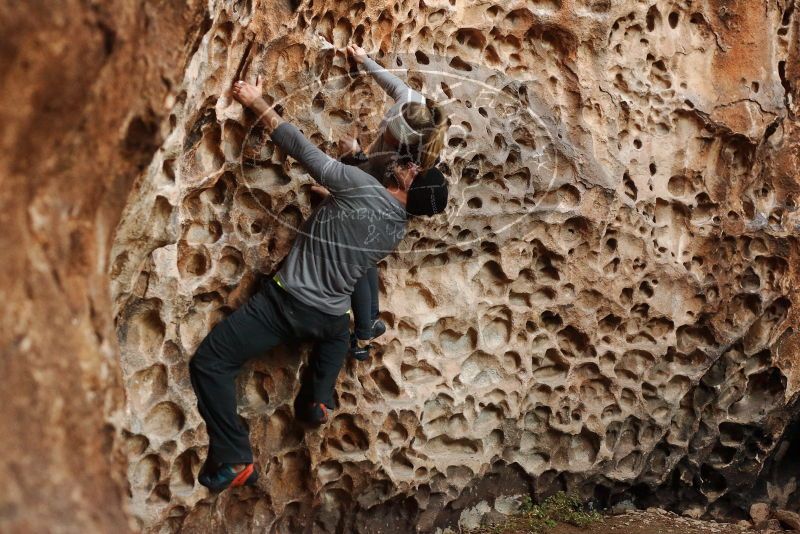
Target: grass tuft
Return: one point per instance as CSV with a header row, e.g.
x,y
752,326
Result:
x,y
538,518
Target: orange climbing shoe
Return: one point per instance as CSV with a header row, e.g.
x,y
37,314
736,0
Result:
x,y
315,413
318,413
225,477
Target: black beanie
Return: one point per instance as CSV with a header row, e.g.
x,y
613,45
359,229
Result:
x,y
427,194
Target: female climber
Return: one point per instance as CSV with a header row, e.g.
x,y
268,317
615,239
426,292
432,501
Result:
x,y
413,125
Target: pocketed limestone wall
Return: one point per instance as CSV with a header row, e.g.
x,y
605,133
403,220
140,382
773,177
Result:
x,y
608,304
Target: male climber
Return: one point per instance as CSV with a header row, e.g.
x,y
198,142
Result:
x,y
358,224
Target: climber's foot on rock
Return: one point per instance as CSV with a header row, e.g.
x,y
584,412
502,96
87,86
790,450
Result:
x,y
318,413
361,349
378,328
313,413
229,476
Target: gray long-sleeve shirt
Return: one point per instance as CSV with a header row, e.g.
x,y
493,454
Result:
x,y
353,229
381,156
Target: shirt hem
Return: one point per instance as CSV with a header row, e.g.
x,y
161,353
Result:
x,y
282,283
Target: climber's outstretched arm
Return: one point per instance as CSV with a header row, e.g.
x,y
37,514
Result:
x,y
394,86
334,175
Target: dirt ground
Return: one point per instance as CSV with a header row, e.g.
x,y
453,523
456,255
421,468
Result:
x,y
653,522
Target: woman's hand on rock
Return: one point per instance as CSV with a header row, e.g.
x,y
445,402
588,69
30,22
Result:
x,y
247,93
357,53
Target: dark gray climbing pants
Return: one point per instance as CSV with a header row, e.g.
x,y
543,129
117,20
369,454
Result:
x,y
271,316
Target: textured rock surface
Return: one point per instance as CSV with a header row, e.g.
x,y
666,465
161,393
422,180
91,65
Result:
x,y
608,305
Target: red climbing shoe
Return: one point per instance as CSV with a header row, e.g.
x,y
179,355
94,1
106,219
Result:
x,y
315,413
225,477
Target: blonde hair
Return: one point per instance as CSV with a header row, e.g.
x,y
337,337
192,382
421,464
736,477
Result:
x,y
428,119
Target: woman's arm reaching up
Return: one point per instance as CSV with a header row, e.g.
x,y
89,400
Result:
x,y
394,86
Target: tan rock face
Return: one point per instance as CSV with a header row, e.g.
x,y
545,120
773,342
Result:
x,y
608,305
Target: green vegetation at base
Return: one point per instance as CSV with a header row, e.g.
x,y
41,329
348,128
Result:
x,y
538,518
